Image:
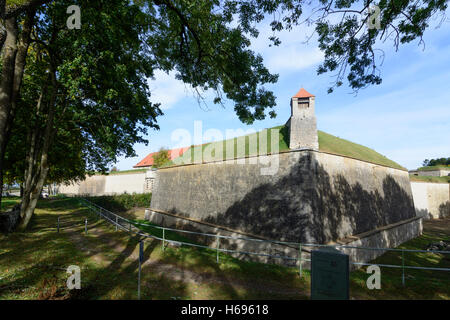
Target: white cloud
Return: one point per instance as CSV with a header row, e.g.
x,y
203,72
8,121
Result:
x,y
167,90
293,54
293,58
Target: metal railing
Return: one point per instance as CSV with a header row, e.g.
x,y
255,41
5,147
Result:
x,y
131,226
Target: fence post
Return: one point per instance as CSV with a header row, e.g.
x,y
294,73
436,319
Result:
x,y
300,260
141,258
164,237
403,267
117,222
217,248
85,226
58,225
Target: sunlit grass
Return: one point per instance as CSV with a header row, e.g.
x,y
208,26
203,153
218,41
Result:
x,y
220,150
33,264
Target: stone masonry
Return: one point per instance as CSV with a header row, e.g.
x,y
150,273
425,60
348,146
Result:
x,y
303,123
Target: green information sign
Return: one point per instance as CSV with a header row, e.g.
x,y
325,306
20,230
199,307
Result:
x,y
329,275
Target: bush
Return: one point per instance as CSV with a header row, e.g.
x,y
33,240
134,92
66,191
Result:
x,y
122,202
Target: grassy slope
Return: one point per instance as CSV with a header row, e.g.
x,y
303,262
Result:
x,y
432,168
32,266
332,144
327,143
429,179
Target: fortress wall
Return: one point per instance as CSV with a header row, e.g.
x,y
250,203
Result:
x,y
71,189
353,196
314,197
94,185
433,173
129,183
98,185
431,200
389,236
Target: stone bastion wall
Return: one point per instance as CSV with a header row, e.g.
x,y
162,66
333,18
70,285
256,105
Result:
x,y
313,197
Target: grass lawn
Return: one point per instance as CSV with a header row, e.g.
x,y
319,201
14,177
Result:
x,y
332,144
216,151
9,202
33,264
432,168
429,179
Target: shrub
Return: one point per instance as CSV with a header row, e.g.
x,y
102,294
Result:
x,y
122,202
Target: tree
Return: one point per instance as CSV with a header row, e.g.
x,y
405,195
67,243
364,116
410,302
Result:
x,y
161,158
86,88
348,43
13,65
436,162
17,19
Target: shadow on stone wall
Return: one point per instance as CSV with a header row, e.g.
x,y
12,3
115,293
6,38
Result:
x,y
424,213
93,186
444,210
306,205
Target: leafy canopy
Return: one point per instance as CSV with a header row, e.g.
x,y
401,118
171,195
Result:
x,y
436,162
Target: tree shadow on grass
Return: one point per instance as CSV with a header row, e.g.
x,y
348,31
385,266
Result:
x,y
34,263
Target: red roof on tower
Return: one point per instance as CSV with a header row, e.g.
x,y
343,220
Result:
x,y
302,93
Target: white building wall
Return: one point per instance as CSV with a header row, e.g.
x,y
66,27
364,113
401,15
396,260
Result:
x,y
98,185
430,199
125,183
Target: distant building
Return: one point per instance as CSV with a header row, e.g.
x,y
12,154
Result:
x,y
132,181
432,172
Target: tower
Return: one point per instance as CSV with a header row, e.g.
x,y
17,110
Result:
x,y
303,123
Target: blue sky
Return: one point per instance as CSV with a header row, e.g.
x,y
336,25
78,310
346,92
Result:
x,y
406,118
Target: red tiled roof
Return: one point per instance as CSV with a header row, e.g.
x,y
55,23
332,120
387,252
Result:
x,y
148,160
302,93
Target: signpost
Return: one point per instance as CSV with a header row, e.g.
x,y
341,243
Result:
x,y
329,275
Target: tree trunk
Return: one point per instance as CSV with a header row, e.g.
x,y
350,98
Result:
x,y
14,58
28,210
6,86
2,35
35,175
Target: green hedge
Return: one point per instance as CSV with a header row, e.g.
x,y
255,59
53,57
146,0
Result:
x,y
122,202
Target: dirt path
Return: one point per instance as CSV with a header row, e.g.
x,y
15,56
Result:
x,y
115,242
